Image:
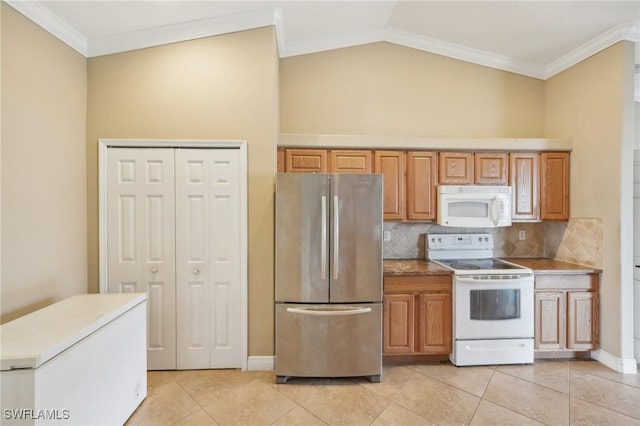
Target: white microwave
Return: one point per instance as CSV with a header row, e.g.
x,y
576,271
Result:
x,y
474,206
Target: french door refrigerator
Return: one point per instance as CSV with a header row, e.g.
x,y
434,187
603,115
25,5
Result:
x,y
328,276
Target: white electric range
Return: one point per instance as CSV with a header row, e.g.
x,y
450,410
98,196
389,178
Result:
x,y
493,305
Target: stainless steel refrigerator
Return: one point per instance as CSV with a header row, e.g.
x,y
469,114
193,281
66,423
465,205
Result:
x,y
328,276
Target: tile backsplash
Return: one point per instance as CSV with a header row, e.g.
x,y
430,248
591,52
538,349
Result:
x,y
578,241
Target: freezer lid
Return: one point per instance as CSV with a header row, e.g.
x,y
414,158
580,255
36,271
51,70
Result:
x,y
32,340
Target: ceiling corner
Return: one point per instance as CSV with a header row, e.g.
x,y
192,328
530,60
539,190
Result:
x,y
463,53
49,21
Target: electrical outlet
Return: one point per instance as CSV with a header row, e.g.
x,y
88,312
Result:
x,y
386,235
521,235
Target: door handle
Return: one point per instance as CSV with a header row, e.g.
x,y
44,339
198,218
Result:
x,y
329,312
336,235
323,239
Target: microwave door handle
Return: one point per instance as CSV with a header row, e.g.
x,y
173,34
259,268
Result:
x,y
494,214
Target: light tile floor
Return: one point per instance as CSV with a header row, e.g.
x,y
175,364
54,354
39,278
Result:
x,y
548,392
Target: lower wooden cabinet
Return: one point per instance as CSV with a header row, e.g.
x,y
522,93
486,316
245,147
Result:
x,y
417,315
566,312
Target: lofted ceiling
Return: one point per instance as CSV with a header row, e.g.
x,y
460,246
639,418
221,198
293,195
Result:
x,y
533,38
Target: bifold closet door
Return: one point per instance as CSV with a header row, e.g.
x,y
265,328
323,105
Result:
x,y
141,241
208,258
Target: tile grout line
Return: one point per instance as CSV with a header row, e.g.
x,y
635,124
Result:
x,y
194,400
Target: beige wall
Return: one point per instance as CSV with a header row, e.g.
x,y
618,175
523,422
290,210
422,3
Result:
x,y
588,103
44,257
223,87
387,89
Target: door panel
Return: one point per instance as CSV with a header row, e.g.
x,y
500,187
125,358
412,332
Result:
x,y
328,340
356,238
208,258
399,323
141,250
302,238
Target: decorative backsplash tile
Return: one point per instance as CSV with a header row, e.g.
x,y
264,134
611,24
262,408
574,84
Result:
x,y
407,239
578,241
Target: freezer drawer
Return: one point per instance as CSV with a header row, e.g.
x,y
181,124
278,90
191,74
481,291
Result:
x,y
328,340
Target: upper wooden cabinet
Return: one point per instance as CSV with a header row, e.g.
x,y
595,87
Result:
x,y
540,181
554,186
391,165
456,168
306,161
349,161
422,175
327,161
490,168
524,178
281,161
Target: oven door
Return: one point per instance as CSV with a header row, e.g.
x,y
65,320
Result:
x,y
493,307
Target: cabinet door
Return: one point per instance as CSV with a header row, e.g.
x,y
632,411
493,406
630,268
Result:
x,y
554,186
391,165
490,168
399,323
421,185
550,320
456,168
434,323
349,161
306,161
582,317
281,161
523,179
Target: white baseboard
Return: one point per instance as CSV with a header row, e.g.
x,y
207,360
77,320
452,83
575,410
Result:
x,y
636,349
261,363
621,365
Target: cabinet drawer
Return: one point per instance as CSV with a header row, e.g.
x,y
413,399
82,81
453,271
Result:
x,y
416,284
567,281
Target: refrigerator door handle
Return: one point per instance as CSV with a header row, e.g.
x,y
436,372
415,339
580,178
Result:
x,y
329,312
336,235
323,239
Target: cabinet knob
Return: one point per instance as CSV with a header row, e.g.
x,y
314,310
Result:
x,y
154,269
196,271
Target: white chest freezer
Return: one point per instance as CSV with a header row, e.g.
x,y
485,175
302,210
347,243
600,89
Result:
x,y
81,361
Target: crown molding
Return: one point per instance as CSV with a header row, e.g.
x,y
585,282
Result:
x,y
181,32
463,53
267,16
629,32
49,21
321,44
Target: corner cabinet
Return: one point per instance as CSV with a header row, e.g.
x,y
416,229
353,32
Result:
x,y
566,313
417,315
554,186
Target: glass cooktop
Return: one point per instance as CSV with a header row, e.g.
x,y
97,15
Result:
x,y
478,264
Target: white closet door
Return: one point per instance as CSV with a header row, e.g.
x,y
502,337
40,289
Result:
x,y
141,241
208,258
